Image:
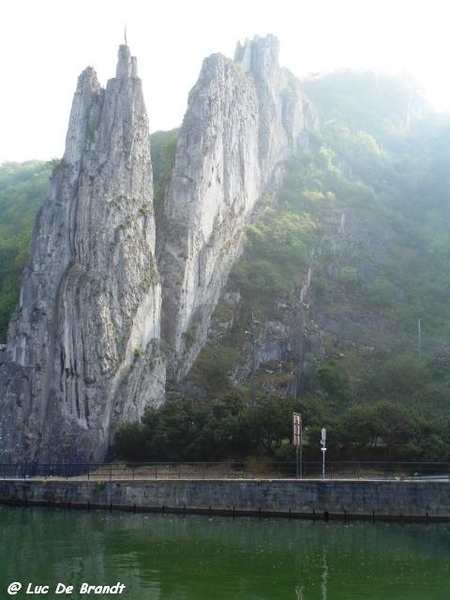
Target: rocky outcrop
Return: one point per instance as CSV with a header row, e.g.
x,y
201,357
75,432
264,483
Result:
x,y
244,118
83,343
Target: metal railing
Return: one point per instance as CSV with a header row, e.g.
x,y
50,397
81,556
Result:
x,y
155,471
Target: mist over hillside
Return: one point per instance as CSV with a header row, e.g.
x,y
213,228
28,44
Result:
x,y
340,296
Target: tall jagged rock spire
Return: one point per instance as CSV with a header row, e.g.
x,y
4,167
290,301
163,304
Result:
x,y
244,118
83,343
285,116
127,64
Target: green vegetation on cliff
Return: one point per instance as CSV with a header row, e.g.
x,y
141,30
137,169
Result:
x,y
338,306
23,187
368,203
163,145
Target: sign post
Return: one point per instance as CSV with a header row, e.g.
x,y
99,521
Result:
x,y
297,423
323,441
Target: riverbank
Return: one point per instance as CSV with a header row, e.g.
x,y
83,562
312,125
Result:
x,y
344,499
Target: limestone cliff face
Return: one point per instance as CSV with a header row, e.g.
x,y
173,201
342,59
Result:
x,y
83,349
285,117
244,117
83,343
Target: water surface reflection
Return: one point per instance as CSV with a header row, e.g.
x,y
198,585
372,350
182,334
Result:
x,y
172,557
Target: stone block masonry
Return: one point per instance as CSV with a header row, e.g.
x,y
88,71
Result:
x,y
408,500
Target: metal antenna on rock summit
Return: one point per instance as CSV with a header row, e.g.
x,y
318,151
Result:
x,y
125,35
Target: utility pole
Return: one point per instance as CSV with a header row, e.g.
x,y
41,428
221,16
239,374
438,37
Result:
x,y
253,365
253,340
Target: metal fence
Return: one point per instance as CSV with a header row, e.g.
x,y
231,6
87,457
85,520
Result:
x,y
228,470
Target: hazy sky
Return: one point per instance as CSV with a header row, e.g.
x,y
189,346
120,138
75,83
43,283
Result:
x,y
45,44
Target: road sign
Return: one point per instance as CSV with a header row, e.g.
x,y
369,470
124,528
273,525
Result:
x,y
297,422
297,438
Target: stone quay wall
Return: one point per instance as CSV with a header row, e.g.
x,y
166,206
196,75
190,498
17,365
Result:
x,y
409,500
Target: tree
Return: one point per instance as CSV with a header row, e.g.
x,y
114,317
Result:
x,y
130,441
401,377
360,427
397,426
271,420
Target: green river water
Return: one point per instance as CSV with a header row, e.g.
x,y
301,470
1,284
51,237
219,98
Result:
x,y
199,558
